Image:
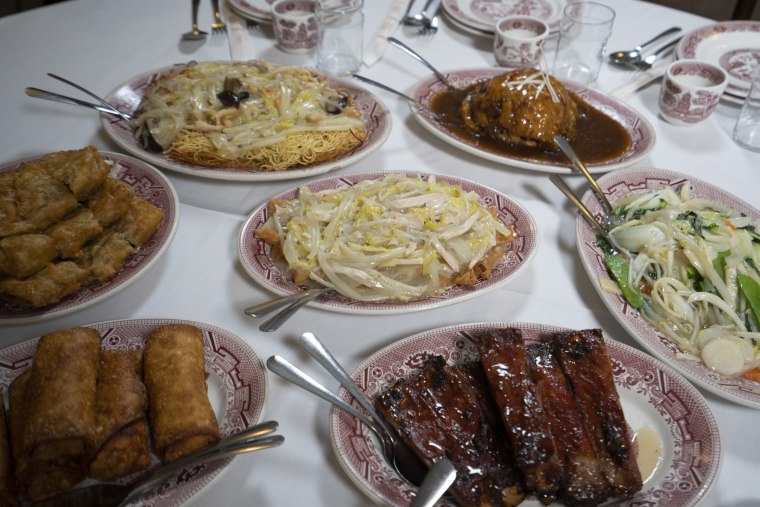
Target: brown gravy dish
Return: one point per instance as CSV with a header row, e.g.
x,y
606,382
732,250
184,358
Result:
x,y
599,138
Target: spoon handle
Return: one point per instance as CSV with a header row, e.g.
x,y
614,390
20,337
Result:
x,y
568,150
262,309
126,116
585,213
656,38
55,97
274,323
414,54
318,351
441,475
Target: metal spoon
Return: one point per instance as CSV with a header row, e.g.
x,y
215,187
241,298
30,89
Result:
x,y
109,494
420,59
195,33
147,139
414,102
646,63
397,454
633,56
441,475
570,153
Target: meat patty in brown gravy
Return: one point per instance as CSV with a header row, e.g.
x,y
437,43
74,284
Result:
x,y
518,114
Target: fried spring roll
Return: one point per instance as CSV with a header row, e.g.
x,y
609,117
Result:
x,y
181,416
506,365
444,411
139,222
584,485
47,286
61,393
23,255
584,360
121,434
35,479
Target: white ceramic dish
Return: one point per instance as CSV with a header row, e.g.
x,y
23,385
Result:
x,y
128,95
653,396
641,131
258,10
616,185
482,15
150,185
732,45
237,388
273,275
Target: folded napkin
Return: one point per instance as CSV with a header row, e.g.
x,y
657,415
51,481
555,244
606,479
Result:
x,y
239,39
379,42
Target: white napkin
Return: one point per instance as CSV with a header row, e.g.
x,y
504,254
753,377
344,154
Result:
x,y
379,42
241,48
641,79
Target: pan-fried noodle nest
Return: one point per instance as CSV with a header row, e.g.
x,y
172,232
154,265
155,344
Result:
x,y
250,115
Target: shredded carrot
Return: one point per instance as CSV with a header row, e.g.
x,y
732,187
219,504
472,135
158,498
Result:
x,y
753,374
729,224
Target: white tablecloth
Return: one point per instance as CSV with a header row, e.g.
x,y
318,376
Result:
x,y
101,43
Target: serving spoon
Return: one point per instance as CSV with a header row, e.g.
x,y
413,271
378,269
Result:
x,y
148,141
634,56
414,54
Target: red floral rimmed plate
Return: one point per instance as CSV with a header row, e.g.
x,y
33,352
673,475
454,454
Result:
x,y
616,186
641,131
255,254
128,96
237,389
653,396
732,45
150,185
482,15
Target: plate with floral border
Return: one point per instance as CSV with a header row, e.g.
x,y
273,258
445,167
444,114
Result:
x,y
150,185
655,399
482,15
128,96
732,45
255,254
641,131
259,10
237,389
616,186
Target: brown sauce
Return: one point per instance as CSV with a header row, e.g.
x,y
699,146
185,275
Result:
x,y
599,138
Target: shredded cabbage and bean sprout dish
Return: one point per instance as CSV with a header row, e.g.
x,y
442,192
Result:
x,y
249,115
397,238
691,268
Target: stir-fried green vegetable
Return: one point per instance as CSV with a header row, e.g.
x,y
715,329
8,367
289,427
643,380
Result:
x,y
397,238
690,266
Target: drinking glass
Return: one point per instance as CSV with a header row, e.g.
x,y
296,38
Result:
x,y
340,24
747,129
583,33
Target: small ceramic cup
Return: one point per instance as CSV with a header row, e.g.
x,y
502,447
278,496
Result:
x,y
295,25
519,41
690,91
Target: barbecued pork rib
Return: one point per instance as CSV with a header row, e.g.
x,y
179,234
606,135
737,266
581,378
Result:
x,y
583,358
445,411
583,484
505,361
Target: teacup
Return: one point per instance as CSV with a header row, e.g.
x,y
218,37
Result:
x,y
295,25
690,91
519,41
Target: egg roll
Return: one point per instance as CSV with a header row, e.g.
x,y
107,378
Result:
x,y
35,479
181,416
121,433
61,392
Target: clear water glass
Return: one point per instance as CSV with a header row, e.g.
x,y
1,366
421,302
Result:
x,y
583,33
340,24
747,129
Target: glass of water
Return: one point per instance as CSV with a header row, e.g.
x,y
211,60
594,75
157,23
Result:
x,y
747,129
583,33
340,24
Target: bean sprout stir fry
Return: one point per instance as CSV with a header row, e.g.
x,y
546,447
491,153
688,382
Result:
x,y
396,238
691,267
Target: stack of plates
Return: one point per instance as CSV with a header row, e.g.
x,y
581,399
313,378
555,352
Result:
x,y
257,10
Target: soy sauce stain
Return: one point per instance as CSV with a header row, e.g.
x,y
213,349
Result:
x,y
600,138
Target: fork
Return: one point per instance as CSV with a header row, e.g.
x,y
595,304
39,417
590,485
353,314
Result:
x,y
217,27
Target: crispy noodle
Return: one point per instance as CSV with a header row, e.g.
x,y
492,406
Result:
x,y
282,116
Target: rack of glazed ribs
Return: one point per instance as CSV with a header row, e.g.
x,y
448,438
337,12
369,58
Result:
x,y
541,419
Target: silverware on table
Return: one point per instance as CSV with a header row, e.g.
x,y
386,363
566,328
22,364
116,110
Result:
x,y
635,55
285,307
217,26
146,135
254,438
647,62
196,33
396,452
414,54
